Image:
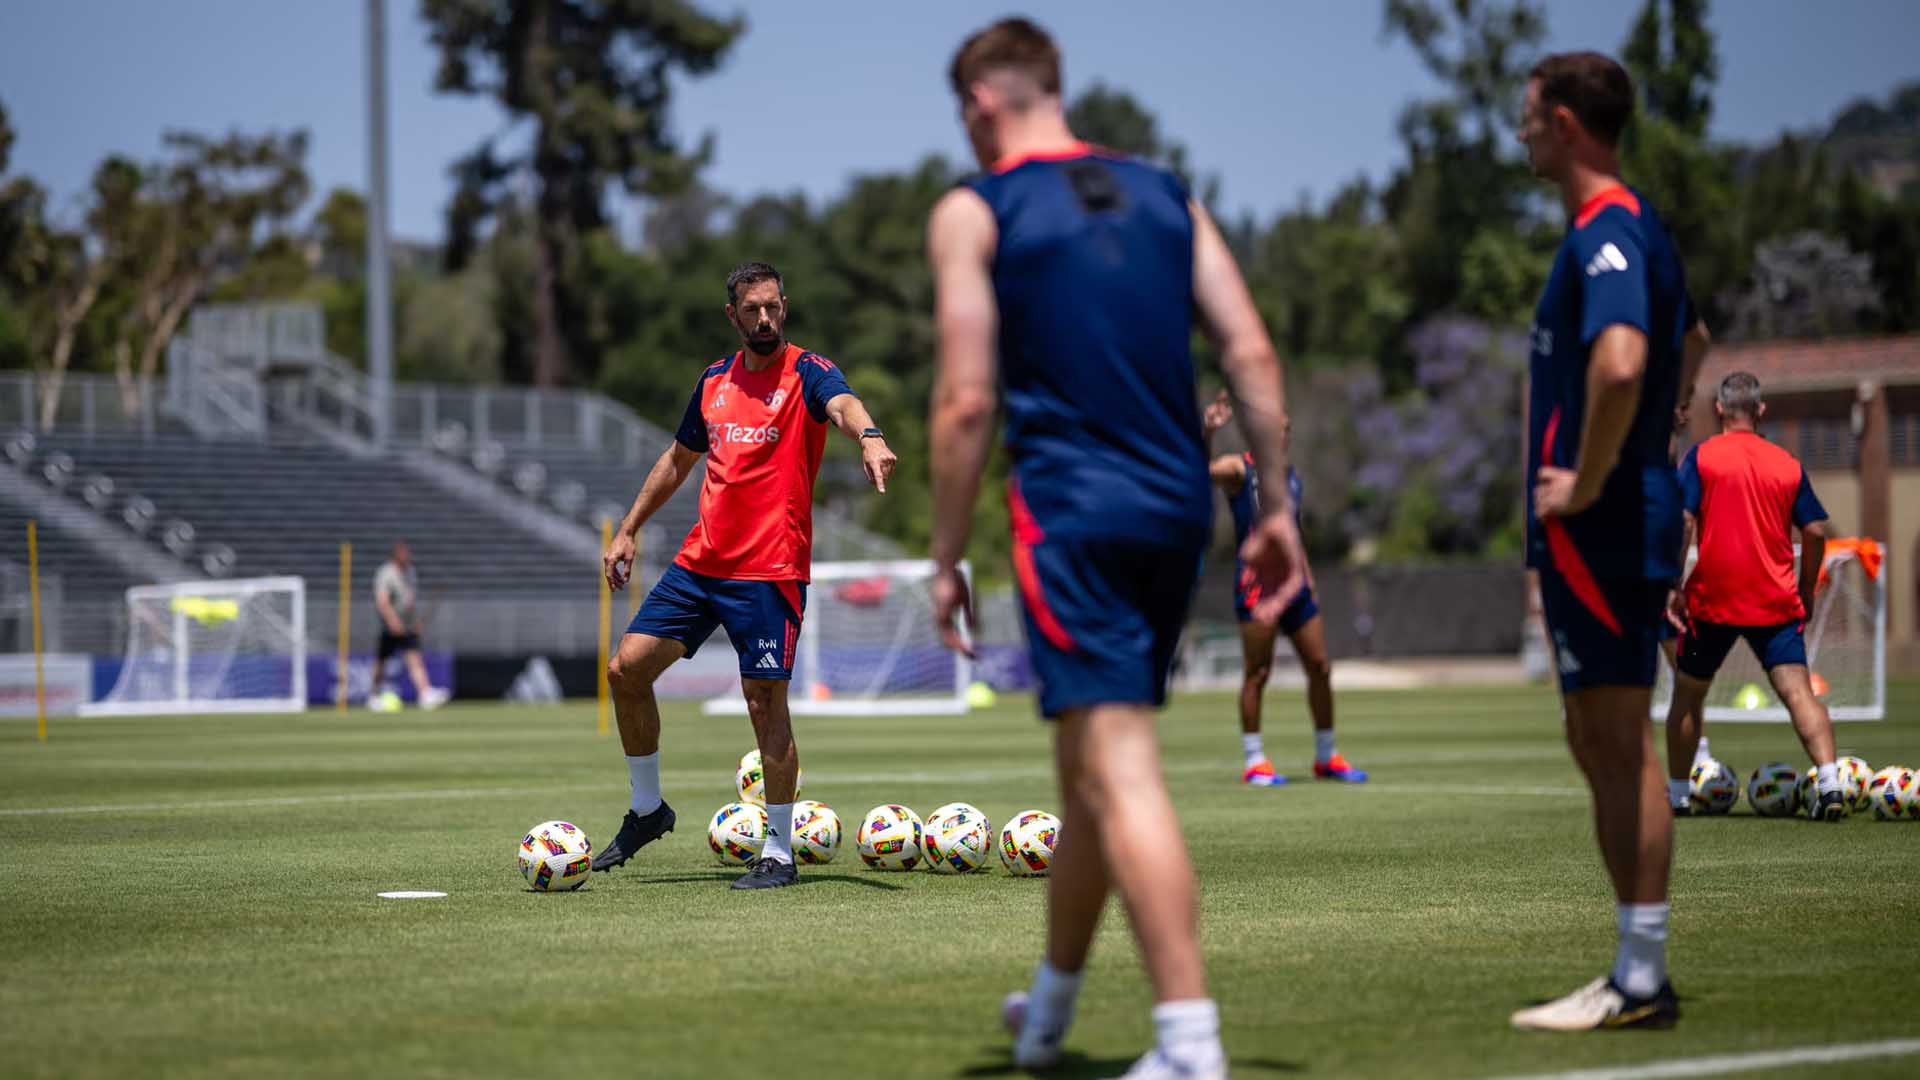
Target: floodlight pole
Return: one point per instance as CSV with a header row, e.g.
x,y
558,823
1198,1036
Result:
x,y
379,262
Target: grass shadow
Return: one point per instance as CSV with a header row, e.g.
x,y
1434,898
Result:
x,y
1074,1066
732,875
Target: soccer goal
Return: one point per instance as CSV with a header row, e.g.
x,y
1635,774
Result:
x,y
1846,647
212,646
869,648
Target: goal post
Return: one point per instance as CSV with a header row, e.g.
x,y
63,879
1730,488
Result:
x,y
868,646
1846,637
212,646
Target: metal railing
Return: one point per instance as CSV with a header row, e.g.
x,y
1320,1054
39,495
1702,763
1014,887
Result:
x,y
89,404
523,419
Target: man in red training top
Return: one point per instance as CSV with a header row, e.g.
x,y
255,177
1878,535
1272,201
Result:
x,y
1744,498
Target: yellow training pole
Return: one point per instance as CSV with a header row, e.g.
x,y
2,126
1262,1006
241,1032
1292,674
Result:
x,y
606,629
33,588
346,600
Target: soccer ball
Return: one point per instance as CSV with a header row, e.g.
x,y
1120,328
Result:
x,y
737,832
816,832
889,838
555,856
953,808
1912,794
1890,791
1855,775
1773,792
751,781
1751,697
1027,843
1712,788
958,842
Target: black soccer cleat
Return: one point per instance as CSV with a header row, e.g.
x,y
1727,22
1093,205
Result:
x,y
768,874
1683,810
1832,807
635,833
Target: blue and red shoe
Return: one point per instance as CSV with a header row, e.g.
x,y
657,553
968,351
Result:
x,y
1261,774
1338,768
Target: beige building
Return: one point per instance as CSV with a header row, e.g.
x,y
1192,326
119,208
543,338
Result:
x,y
1849,409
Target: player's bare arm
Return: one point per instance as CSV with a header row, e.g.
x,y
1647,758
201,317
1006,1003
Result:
x,y
1813,555
1273,550
388,615
665,478
1228,472
960,241
876,457
1693,355
1615,371
1677,596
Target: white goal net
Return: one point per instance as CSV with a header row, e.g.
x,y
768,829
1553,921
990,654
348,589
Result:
x,y
1846,637
212,646
868,646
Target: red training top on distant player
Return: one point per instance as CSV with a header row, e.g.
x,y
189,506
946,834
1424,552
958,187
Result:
x,y
763,433
1748,496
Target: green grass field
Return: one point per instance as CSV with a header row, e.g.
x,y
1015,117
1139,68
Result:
x,y
196,897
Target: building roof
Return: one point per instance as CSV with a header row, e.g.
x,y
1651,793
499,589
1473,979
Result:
x,y
1829,364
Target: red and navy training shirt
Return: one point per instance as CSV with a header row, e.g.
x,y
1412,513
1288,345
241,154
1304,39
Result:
x,y
1616,266
763,433
1748,496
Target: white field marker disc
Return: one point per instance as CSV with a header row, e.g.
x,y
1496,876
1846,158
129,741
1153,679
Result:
x,y
411,894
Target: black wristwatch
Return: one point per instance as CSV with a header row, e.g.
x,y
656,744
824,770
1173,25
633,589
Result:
x,y
872,433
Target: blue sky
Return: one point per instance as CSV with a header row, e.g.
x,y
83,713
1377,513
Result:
x,y
1279,98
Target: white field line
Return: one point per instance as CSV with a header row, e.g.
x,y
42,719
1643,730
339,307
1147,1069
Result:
x,y
1037,772
1733,1063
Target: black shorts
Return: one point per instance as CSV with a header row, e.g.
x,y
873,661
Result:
x,y
391,643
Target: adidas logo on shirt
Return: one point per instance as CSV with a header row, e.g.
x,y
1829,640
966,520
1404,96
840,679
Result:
x,y
766,662
1607,258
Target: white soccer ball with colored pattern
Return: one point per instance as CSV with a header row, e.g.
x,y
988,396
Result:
x,y
737,832
958,842
750,780
816,832
1855,775
1890,793
1027,843
889,838
1712,788
555,856
1773,790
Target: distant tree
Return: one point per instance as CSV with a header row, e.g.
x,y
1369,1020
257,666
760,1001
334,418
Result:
x,y
1806,284
593,79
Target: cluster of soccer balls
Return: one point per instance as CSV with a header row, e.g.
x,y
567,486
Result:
x,y
955,839
1777,790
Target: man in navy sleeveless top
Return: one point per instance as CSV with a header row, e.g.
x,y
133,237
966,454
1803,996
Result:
x,y
1071,276
1610,353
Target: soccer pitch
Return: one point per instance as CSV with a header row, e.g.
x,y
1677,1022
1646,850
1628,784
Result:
x,y
196,896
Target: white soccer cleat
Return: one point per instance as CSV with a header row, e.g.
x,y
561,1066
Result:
x,y
1157,1066
433,697
1599,1005
1032,1048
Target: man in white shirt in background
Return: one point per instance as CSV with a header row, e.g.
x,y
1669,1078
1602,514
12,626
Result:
x,y
396,586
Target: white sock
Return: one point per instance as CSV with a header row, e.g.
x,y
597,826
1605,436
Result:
x,y
1188,1034
1701,752
1640,967
1323,745
1252,749
1051,999
1827,778
1677,791
643,773
779,833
